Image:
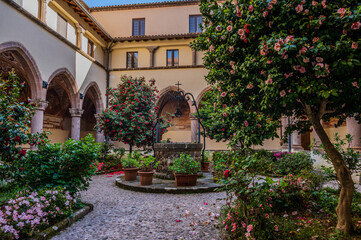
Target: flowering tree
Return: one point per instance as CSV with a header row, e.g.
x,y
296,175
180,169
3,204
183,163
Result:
x,y
15,116
130,116
289,58
234,123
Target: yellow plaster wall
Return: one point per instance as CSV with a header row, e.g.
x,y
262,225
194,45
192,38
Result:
x,y
160,20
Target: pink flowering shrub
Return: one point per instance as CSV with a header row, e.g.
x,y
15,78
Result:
x,y
31,212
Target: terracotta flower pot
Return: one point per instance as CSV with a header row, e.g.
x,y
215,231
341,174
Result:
x,y
185,179
146,178
130,174
206,167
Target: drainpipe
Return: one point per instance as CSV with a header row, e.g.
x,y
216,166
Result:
x,y
108,50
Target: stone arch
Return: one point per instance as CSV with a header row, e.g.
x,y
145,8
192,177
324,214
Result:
x,y
201,94
181,129
96,96
67,82
15,55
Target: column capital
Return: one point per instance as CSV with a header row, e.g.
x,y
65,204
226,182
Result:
x,y
151,49
76,112
40,104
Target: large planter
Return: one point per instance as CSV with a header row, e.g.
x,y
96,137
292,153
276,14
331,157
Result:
x,y
185,179
146,178
206,167
130,174
165,154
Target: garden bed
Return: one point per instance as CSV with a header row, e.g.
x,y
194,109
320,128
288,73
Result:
x,y
63,224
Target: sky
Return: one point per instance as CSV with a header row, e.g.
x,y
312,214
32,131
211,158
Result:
x,y
97,3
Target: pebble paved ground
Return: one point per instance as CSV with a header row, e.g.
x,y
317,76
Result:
x,y
121,214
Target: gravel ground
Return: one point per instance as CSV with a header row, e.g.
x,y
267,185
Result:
x,y
121,214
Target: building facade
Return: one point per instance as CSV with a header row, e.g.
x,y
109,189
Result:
x,y
68,54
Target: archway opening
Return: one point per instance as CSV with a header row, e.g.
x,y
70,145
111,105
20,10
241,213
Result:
x,y
180,131
88,119
57,118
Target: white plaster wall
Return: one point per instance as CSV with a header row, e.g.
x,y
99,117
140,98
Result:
x,y
31,6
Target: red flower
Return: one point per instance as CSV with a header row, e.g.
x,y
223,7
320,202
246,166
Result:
x,y
226,173
22,152
17,138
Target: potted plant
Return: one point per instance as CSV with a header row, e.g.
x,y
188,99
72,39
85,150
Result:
x,y
146,166
130,167
206,160
185,170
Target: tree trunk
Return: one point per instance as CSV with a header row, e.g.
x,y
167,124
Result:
x,y
130,149
343,210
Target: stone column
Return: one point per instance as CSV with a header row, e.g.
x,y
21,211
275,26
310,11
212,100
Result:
x,y
152,51
79,34
354,128
296,142
99,137
75,122
38,118
284,122
42,10
194,128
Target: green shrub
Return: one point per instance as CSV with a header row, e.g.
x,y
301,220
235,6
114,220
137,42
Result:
x,y
70,165
185,165
294,163
147,164
130,162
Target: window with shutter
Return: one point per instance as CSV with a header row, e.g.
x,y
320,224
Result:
x,y
132,59
139,27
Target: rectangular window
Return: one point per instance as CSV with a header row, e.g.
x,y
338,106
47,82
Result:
x,y
172,58
132,59
61,26
195,23
90,48
139,27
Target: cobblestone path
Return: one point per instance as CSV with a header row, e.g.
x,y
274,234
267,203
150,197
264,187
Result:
x,y
125,215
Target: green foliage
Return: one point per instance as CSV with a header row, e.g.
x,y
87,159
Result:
x,y
131,115
185,164
70,165
294,163
147,164
15,117
131,161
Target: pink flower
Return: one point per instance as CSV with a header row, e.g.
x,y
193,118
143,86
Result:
x,y
223,94
302,69
211,48
265,13
294,213
315,39
324,4
283,93
232,63
299,8
250,86
229,28
224,114
249,228
263,52
218,28
354,45
177,220
269,61
341,11
306,60
355,84
248,235
246,123
231,49
289,38
250,8
277,47
276,228
232,72
205,203
355,25
319,59
302,51
241,32
344,32
314,3
269,81
239,14
266,215
262,72
226,173
243,224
